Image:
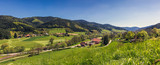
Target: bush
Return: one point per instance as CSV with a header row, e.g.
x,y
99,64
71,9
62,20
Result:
x,y
19,48
3,46
64,45
154,32
142,35
130,35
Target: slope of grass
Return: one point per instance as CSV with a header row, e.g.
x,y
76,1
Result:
x,y
114,30
80,33
33,41
3,41
57,30
105,31
140,53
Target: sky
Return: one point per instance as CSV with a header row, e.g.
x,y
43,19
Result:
x,y
123,13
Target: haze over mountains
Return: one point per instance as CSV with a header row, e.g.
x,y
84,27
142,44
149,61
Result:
x,y
140,28
131,28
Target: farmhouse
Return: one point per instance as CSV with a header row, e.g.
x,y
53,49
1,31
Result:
x,y
96,40
28,35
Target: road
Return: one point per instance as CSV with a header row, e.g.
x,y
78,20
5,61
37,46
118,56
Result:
x,y
108,43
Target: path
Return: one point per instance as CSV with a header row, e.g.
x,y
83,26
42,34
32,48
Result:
x,y
108,43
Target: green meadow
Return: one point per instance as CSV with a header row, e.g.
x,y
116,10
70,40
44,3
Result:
x,y
117,53
57,30
33,41
39,40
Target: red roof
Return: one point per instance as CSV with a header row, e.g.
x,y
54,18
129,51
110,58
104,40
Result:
x,y
28,35
96,40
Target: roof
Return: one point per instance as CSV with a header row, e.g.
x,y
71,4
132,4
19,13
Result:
x,y
28,35
96,40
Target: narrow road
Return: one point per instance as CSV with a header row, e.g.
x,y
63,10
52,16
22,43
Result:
x,y
108,43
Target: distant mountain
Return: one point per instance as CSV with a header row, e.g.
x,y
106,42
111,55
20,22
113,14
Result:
x,y
64,23
149,28
132,28
101,26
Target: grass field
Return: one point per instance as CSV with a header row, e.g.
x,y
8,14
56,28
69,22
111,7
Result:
x,y
142,53
105,31
114,30
57,30
33,41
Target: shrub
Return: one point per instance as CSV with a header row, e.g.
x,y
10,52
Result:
x,y
154,32
142,35
19,48
64,45
3,46
130,35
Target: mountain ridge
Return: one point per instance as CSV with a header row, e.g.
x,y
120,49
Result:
x,y
56,22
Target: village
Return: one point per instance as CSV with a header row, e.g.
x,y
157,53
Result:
x,y
90,43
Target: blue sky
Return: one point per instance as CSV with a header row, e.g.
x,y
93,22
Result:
x,y
116,12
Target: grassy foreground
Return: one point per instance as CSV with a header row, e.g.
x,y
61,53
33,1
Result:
x,y
142,53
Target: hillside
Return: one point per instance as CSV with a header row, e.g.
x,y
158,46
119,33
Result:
x,y
149,28
114,54
16,25
101,26
32,23
39,20
63,23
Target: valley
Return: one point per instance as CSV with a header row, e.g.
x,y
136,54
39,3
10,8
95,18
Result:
x,y
56,41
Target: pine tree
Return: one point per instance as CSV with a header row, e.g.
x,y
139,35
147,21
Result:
x,y
15,35
105,39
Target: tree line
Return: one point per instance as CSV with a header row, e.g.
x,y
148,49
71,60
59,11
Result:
x,y
5,48
130,36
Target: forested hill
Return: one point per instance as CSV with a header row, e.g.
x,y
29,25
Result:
x,y
149,28
102,26
30,24
132,28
